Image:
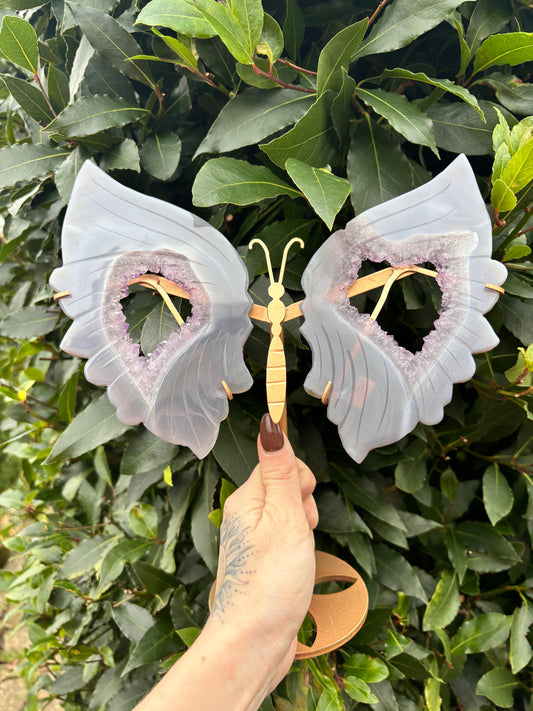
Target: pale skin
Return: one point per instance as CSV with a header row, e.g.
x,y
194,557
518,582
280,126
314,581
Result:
x,y
264,586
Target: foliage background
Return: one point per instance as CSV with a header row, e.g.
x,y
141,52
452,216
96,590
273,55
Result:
x,y
118,564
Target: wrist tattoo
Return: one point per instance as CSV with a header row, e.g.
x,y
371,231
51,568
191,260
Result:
x,y
235,554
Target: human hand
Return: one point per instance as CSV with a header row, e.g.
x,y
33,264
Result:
x,y
266,564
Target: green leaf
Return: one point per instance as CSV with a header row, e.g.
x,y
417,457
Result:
x,y
517,318
365,667
481,633
520,650
18,43
252,116
444,604
313,139
498,685
293,28
511,48
336,56
155,580
143,520
180,49
237,182
29,98
377,168
511,92
502,197
236,447
325,192
67,172
249,15
95,425
396,573
271,41
183,16
66,403
519,170
204,533
123,156
234,29
112,41
488,17
107,686
146,452
336,516
158,642
411,472
126,551
58,88
402,22
516,251
28,323
28,161
402,115
497,494
132,692
92,114
86,556
488,551
459,128
360,691
444,84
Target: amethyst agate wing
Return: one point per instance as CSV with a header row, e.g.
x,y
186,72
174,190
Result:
x,y
112,234
379,389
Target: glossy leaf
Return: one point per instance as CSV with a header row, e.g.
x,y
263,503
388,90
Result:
x,y
336,56
488,17
325,192
204,533
159,641
497,685
444,603
403,21
511,92
160,155
377,168
92,114
84,557
57,85
133,620
488,551
481,633
237,182
312,140
502,197
497,494
127,551
445,84
93,426
145,452
233,28
27,161
459,127
520,652
28,323
293,28
402,115
365,667
519,170
183,16
252,116
113,42
29,97
236,449
271,41
18,43
511,48
396,573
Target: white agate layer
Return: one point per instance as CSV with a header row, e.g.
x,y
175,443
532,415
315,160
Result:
x,y
379,389
112,234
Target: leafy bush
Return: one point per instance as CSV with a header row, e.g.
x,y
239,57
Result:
x,y
309,104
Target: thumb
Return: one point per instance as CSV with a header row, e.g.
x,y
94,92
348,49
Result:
x,y
278,465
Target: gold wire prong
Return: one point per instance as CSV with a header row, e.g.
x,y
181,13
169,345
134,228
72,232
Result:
x,y
326,393
61,295
499,289
228,391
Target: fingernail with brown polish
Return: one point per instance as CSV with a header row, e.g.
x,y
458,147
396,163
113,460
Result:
x,y
270,434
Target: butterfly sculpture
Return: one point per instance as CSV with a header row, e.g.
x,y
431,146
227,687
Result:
x,y
375,390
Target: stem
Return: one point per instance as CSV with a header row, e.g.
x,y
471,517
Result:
x,y
376,12
43,92
295,66
284,84
516,230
